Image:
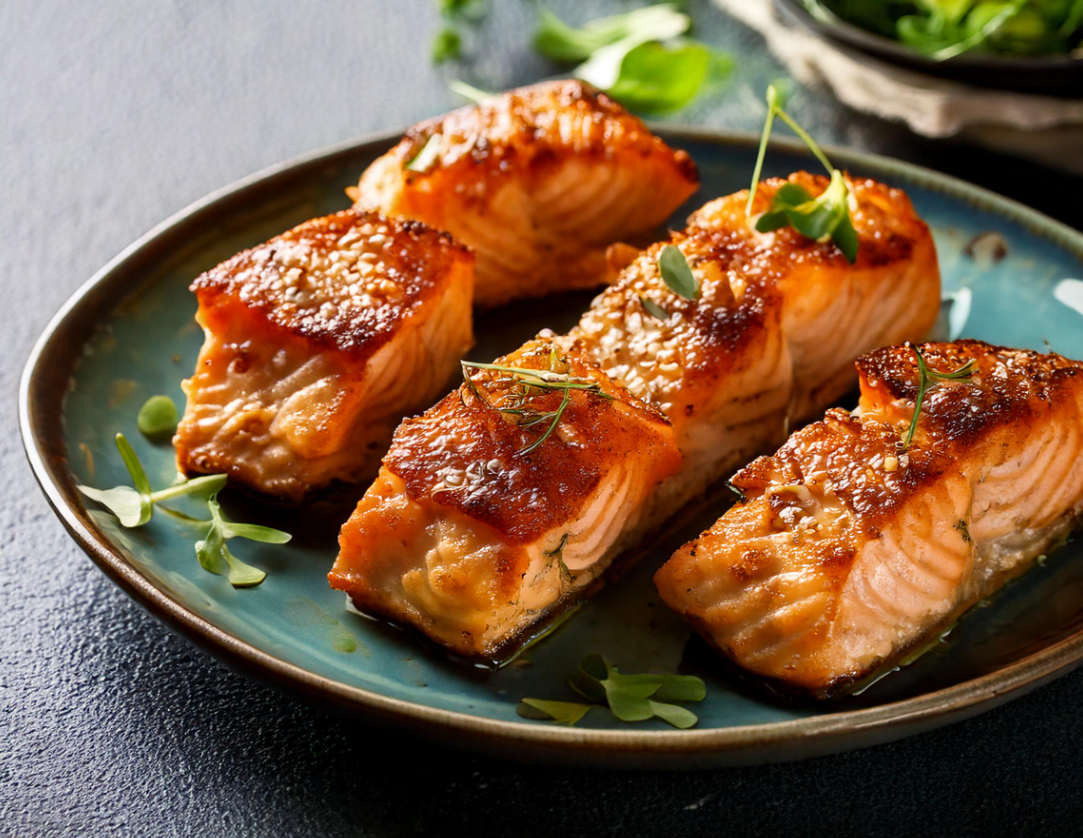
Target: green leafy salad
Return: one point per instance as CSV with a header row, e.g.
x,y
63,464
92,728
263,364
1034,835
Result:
x,y
943,29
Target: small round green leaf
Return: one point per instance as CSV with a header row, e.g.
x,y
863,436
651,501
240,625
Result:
x,y
157,417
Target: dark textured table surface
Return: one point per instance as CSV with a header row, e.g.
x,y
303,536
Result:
x,y
113,115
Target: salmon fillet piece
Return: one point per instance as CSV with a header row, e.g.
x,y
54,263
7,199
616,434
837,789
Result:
x,y
471,562
537,181
316,343
851,552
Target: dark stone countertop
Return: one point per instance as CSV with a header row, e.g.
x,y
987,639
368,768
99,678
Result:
x,y
113,115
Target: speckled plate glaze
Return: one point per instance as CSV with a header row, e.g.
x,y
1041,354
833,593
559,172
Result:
x,y
128,333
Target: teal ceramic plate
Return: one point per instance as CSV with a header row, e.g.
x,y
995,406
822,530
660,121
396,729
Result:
x,y
129,333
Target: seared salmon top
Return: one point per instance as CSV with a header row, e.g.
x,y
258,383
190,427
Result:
x,y
466,454
858,460
852,547
747,280
346,281
538,182
531,129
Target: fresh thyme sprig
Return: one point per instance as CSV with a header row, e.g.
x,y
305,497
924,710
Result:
x,y
926,377
630,698
133,507
827,216
526,381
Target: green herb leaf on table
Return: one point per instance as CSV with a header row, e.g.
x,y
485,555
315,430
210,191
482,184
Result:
x,y
157,417
462,9
639,58
926,378
447,45
630,698
557,40
826,217
676,273
468,91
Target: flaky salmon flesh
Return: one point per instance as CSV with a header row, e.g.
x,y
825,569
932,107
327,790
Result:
x,y
316,344
477,531
321,340
537,182
853,549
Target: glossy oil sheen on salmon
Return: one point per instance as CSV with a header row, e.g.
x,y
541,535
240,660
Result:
x,y
475,535
852,549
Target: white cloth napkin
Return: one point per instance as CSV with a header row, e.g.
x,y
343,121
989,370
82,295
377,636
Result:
x,y
1042,128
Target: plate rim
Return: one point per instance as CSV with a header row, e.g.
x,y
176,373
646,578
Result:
x,y
771,741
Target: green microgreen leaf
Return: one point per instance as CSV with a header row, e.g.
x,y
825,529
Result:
x,y
462,9
468,91
425,158
653,309
632,698
821,218
199,488
561,42
741,496
926,378
564,712
447,45
134,506
157,417
131,462
639,58
681,688
651,77
123,501
673,714
215,556
676,273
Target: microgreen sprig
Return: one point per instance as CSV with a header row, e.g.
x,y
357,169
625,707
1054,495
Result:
x,y
426,156
630,698
827,216
134,505
676,273
215,556
526,382
926,377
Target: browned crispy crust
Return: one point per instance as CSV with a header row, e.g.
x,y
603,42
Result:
x,y
292,284
884,218
843,460
1012,389
521,130
527,494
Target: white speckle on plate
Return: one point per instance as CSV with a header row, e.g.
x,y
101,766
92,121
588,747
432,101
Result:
x,y
1070,292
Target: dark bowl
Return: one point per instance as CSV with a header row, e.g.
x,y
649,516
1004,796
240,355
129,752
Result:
x,y
1051,75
